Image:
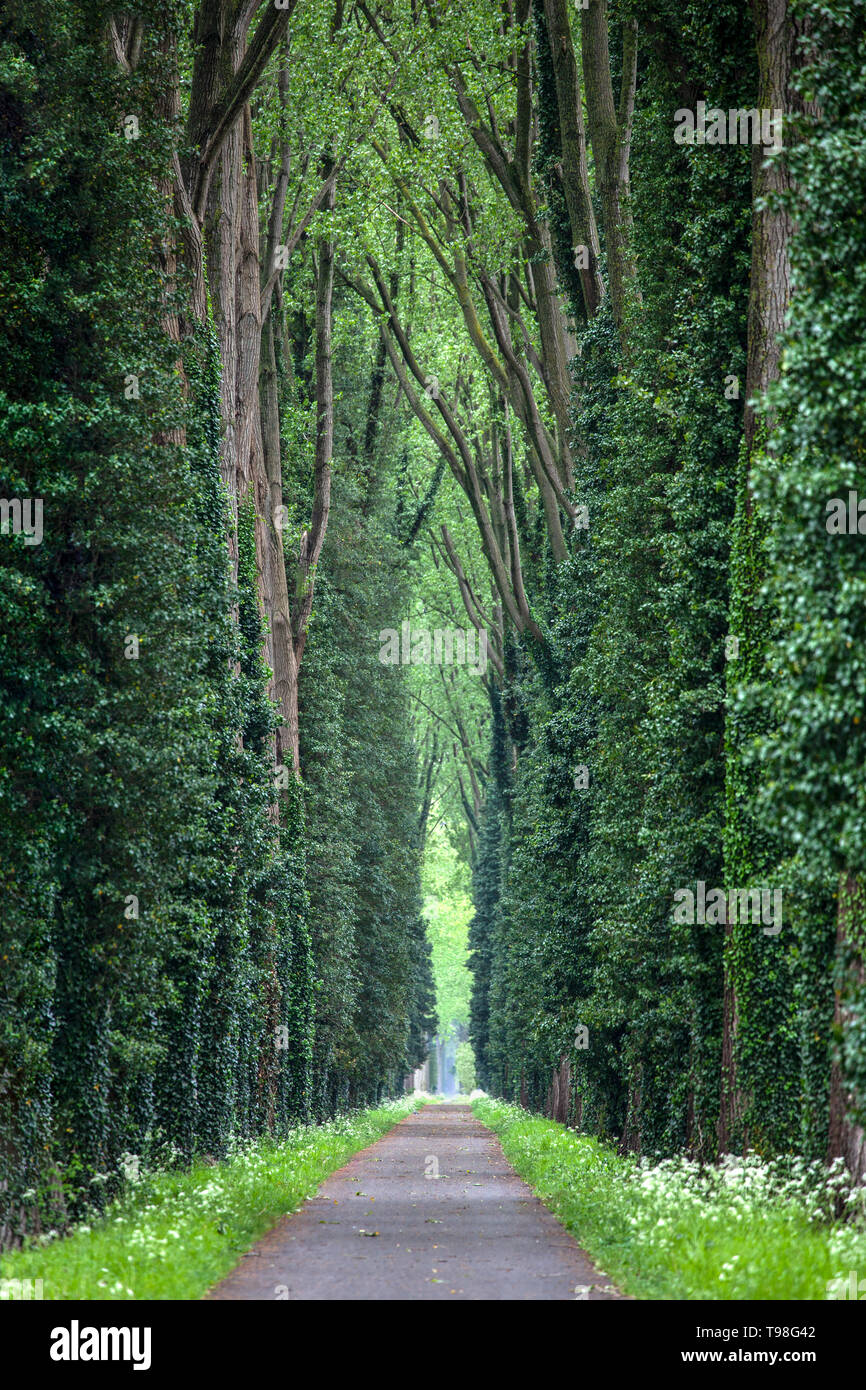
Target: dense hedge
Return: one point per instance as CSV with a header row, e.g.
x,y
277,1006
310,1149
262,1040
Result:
x,y
739,765
163,930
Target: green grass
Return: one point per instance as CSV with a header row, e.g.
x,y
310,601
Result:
x,y
174,1234
670,1230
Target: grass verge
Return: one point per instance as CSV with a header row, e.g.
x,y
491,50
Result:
x,y
174,1234
672,1230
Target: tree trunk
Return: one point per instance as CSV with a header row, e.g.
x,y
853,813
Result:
x,y
610,135
304,578
574,173
845,1139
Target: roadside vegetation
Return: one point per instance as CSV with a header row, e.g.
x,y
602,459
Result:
x,y
174,1234
674,1229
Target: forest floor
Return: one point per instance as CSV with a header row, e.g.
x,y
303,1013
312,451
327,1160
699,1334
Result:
x,y
433,1210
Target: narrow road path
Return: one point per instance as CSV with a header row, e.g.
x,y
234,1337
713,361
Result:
x,y
385,1227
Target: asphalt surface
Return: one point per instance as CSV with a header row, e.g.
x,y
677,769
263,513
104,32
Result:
x,y
385,1227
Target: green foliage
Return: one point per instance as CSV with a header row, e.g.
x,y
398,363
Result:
x,y
811,756
375,1005
637,622
108,763
190,960
742,772
447,909
465,1064
160,944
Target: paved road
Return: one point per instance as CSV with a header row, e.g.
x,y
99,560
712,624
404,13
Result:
x,y
383,1227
